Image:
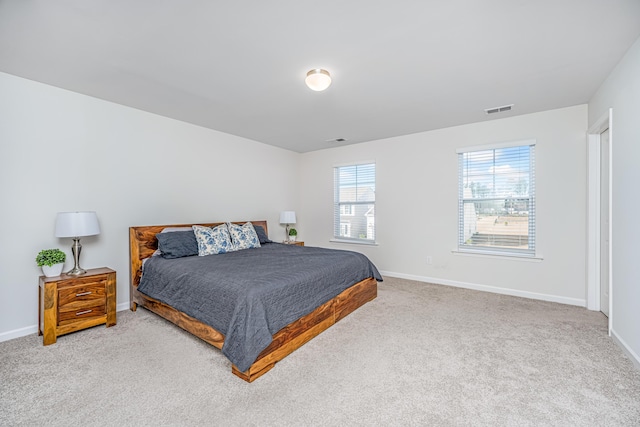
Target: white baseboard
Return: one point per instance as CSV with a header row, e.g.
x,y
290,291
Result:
x,y
17,333
625,347
486,288
33,329
123,306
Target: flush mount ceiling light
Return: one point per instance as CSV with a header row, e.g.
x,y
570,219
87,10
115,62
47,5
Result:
x,y
318,79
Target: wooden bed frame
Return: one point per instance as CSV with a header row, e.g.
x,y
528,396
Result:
x,y
143,243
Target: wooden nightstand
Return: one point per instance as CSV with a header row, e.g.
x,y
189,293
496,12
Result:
x,y
71,303
294,243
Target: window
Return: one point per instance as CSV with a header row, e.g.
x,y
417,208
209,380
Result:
x,y
496,199
354,202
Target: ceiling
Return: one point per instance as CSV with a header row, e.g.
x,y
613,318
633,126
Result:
x,y
398,67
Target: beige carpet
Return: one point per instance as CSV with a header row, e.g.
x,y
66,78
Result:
x,y
419,354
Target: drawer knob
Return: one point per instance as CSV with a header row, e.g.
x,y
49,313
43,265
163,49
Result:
x,y
80,313
81,294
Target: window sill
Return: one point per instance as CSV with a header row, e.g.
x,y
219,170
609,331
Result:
x,y
483,254
354,242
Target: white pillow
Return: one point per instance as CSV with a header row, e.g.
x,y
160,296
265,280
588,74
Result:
x,y
243,236
170,229
213,241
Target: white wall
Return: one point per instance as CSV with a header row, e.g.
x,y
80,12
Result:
x,y
416,207
621,91
62,151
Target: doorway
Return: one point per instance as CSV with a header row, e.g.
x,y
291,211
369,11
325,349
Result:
x,y
600,286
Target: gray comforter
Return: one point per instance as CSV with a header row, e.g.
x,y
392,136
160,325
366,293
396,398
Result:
x,y
251,294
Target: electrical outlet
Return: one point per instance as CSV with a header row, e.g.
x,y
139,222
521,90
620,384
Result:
x,y
429,260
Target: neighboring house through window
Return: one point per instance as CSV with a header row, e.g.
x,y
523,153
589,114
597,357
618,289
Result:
x,y
496,199
346,210
354,202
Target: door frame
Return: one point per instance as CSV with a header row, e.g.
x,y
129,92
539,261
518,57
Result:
x,y
593,213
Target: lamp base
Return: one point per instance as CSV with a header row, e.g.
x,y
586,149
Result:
x,y
76,249
75,271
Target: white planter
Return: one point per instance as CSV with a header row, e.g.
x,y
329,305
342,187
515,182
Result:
x,y
53,271
292,238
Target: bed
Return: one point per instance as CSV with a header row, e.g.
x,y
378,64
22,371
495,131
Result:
x,y
260,294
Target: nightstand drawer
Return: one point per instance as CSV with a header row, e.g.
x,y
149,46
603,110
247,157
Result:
x,y
79,302
81,294
73,313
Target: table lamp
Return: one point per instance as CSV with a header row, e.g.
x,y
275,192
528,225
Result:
x,y
77,225
287,217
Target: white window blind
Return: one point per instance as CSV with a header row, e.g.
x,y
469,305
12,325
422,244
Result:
x,y
496,199
354,202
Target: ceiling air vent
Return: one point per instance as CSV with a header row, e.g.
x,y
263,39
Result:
x,y
499,109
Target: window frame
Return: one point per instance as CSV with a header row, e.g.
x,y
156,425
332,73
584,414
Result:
x,y
462,247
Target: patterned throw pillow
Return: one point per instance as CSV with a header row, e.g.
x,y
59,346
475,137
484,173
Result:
x,y
213,241
243,236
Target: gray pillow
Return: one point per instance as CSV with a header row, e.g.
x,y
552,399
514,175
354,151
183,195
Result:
x,y
262,236
177,244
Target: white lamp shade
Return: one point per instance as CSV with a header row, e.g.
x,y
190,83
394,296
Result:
x,y
287,217
77,224
318,79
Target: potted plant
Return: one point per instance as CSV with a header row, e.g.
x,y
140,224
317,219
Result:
x,y
51,261
292,234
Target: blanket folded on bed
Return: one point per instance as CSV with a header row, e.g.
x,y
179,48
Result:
x,y
251,294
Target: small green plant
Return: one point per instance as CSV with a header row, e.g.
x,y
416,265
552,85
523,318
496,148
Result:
x,y
293,232
50,257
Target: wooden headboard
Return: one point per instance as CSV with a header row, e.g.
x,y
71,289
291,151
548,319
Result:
x,y
143,243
